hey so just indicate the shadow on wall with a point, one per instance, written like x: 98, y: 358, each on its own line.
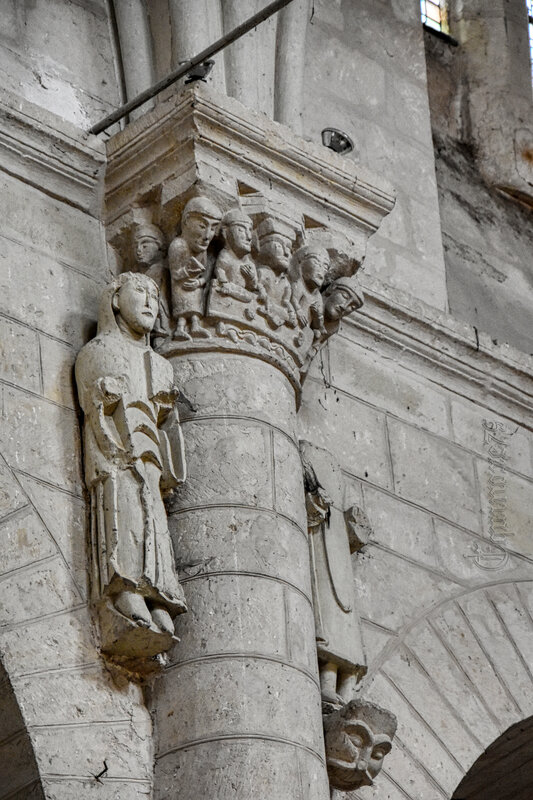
x: 503, y: 772
x: 19, y: 775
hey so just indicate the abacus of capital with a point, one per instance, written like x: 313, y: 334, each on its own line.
x: 252, y: 239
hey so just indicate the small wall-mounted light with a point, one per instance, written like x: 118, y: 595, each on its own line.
x: 337, y: 140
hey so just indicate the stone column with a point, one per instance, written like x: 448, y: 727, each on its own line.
x: 239, y: 712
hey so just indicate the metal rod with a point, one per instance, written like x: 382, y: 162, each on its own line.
x: 186, y: 67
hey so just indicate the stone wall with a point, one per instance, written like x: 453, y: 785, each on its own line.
x: 54, y: 265
x: 399, y: 396
x: 487, y: 236
x: 447, y: 631
x: 58, y: 54
x: 366, y: 74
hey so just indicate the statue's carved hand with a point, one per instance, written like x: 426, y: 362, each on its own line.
x: 302, y: 318
x: 193, y: 283
x: 112, y: 388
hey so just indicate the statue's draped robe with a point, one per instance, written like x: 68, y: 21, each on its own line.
x: 338, y: 633
x: 126, y: 393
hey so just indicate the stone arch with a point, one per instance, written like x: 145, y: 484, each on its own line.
x: 19, y: 775
x: 70, y: 715
x: 503, y: 771
x: 457, y: 680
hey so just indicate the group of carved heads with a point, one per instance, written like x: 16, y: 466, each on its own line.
x: 289, y: 280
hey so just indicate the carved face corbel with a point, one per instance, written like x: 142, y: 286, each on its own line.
x: 358, y: 736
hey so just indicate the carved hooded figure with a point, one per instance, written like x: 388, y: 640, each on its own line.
x: 335, y: 532
x: 127, y: 395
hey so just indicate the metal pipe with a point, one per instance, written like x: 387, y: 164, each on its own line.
x: 174, y: 76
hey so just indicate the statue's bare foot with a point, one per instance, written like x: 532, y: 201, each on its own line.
x: 181, y: 333
x: 162, y: 619
x: 197, y: 331
x: 133, y: 606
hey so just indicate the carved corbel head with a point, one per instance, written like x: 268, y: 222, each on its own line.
x: 236, y: 227
x: 358, y: 736
x: 341, y: 298
x: 148, y: 244
x: 199, y: 222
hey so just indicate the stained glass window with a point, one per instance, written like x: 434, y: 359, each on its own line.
x: 434, y: 14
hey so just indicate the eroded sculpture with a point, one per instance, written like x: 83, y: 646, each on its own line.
x: 133, y: 456
x: 247, y: 282
x: 189, y: 269
x: 335, y: 532
x: 358, y: 736
x: 149, y: 252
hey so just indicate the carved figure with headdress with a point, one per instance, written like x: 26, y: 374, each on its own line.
x: 187, y: 261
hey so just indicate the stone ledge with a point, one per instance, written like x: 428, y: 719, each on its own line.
x: 424, y: 335
x: 44, y: 150
x: 198, y: 134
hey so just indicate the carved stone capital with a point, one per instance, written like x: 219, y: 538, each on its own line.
x: 265, y: 231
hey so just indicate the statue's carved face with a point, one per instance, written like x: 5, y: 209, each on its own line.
x: 146, y: 250
x: 138, y: 304
x: 198, y: 231
x: 354, y: 754
x: 314, y: 268
x: 276, y: 252
x: 339, y: 303
x: 239, y: 237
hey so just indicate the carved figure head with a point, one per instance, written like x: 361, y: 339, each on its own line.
x: 134, y: 302
x: 275, y: 244
x: 237, y: 231
x: 312, y: 263
x: 358, y: 736
x: 148, y: 244
x: 341, y: 297
x: 199, y: 223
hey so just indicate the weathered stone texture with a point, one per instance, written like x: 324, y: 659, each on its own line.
x: 385, y: 103
x: 399, y: 398
x: 42, y: 60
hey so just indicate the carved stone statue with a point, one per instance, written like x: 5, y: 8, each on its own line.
x: 187, y: 261
x: 310, y: 266
x: 275, y: 245
x: 127, y: 394
x: 149, y: 247
x: 335, y: 532
x: 358, y: 736
x: 235, y: 272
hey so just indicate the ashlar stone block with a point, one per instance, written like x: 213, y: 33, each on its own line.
x: 240, y: 540
x: 24, y: 540
x: 434, y: 474
x: 228, y: 462
x: 249, y: 617
x: 239, y: 696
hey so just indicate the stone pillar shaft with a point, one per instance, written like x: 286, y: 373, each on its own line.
x: 238, y: 712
